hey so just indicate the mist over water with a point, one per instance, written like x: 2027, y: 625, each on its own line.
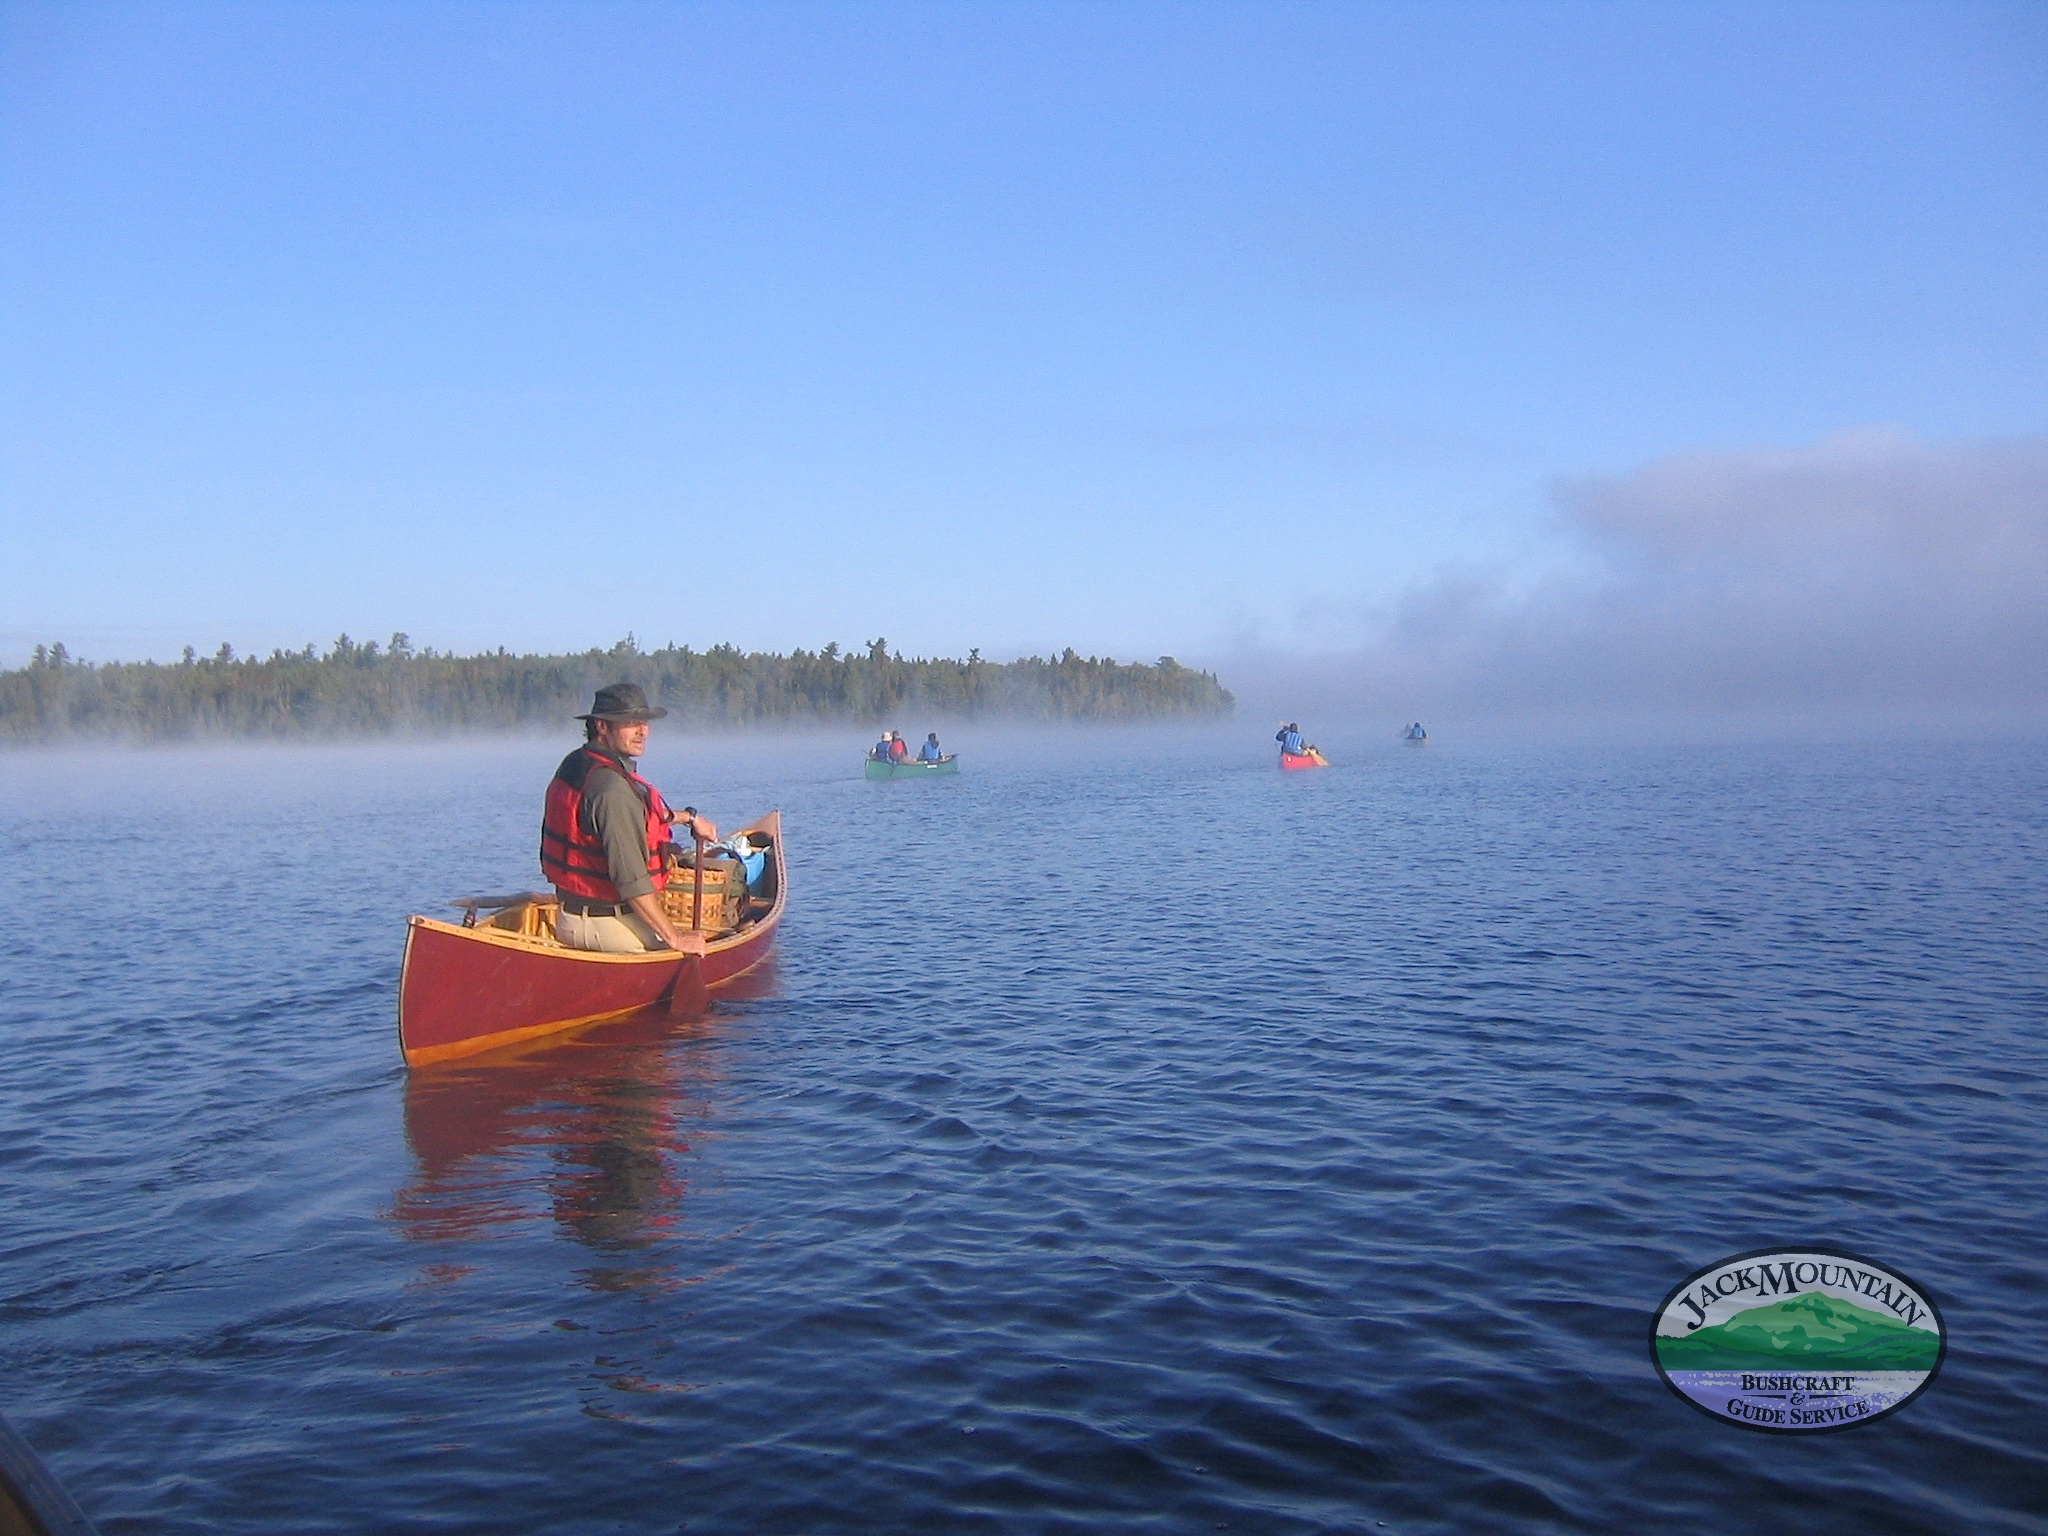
x: 1867, y: 583
x: 1129, y: 1137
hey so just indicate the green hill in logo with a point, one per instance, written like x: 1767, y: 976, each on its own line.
x: 1812, y: 1331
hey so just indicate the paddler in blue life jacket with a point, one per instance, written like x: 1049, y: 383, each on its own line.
x: 607, y: 836
x: 929, y: 752
x: 879, y: 752
x: 1289, y: 737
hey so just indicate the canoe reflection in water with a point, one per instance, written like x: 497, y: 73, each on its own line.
x: 611, y: 1111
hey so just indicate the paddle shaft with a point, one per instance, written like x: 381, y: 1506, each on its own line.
x: 689, y: 996
x: 697, y: 885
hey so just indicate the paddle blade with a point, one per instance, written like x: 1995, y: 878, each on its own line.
x: 691, y: 997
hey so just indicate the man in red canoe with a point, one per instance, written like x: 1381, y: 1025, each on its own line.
x: 605, y: 834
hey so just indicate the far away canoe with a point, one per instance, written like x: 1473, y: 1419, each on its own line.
x: 464, y: 989
x: 1309, y: 759
x: 912, y: 769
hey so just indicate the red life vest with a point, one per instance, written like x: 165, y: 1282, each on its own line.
x: 572, y: 855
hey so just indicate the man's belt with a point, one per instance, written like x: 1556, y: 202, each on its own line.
x: 583, y: 906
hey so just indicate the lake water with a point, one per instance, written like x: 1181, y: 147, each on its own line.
x: 1130, y: 1138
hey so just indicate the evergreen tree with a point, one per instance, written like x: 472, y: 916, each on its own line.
x: 368, y: 689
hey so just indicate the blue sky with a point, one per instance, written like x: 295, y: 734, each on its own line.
x: 1213, y: 330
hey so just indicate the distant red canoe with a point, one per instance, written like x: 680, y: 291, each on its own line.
x: 464, y: 989
x: 1309, y: 759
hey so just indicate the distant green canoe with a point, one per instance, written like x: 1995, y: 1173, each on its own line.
x: 912, y: 769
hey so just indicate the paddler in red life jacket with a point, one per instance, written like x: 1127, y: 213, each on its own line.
x: 606, y: 834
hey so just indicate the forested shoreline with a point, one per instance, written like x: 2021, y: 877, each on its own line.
x: 370, y: 689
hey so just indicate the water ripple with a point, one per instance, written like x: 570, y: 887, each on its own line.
x: 1260, y: 1153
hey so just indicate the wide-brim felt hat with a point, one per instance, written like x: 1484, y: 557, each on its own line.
x: 622, y: 702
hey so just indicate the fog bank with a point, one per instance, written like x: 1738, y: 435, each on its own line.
x: 1867, y: 577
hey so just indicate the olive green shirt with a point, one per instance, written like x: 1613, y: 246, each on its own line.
x: 619, y: 817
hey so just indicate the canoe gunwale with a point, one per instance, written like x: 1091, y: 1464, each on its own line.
x: 878, y: 772
x: 31, y: 1498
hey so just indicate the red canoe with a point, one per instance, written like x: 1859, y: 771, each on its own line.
x: 464, y: 989
x: 1309, y: 759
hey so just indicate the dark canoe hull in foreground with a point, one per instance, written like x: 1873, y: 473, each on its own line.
x: 465, y: 990
x: 1308, y: 759
x: 31, y: 1500
x: 912, y: 770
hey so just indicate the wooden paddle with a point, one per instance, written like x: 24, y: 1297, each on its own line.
x: 691, y: 996
x: 473, y: 907
x: 499, y: 903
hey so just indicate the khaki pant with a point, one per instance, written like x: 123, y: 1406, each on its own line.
x: 626, y: 934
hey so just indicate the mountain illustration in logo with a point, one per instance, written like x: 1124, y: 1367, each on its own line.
x: 1810, y: 1331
